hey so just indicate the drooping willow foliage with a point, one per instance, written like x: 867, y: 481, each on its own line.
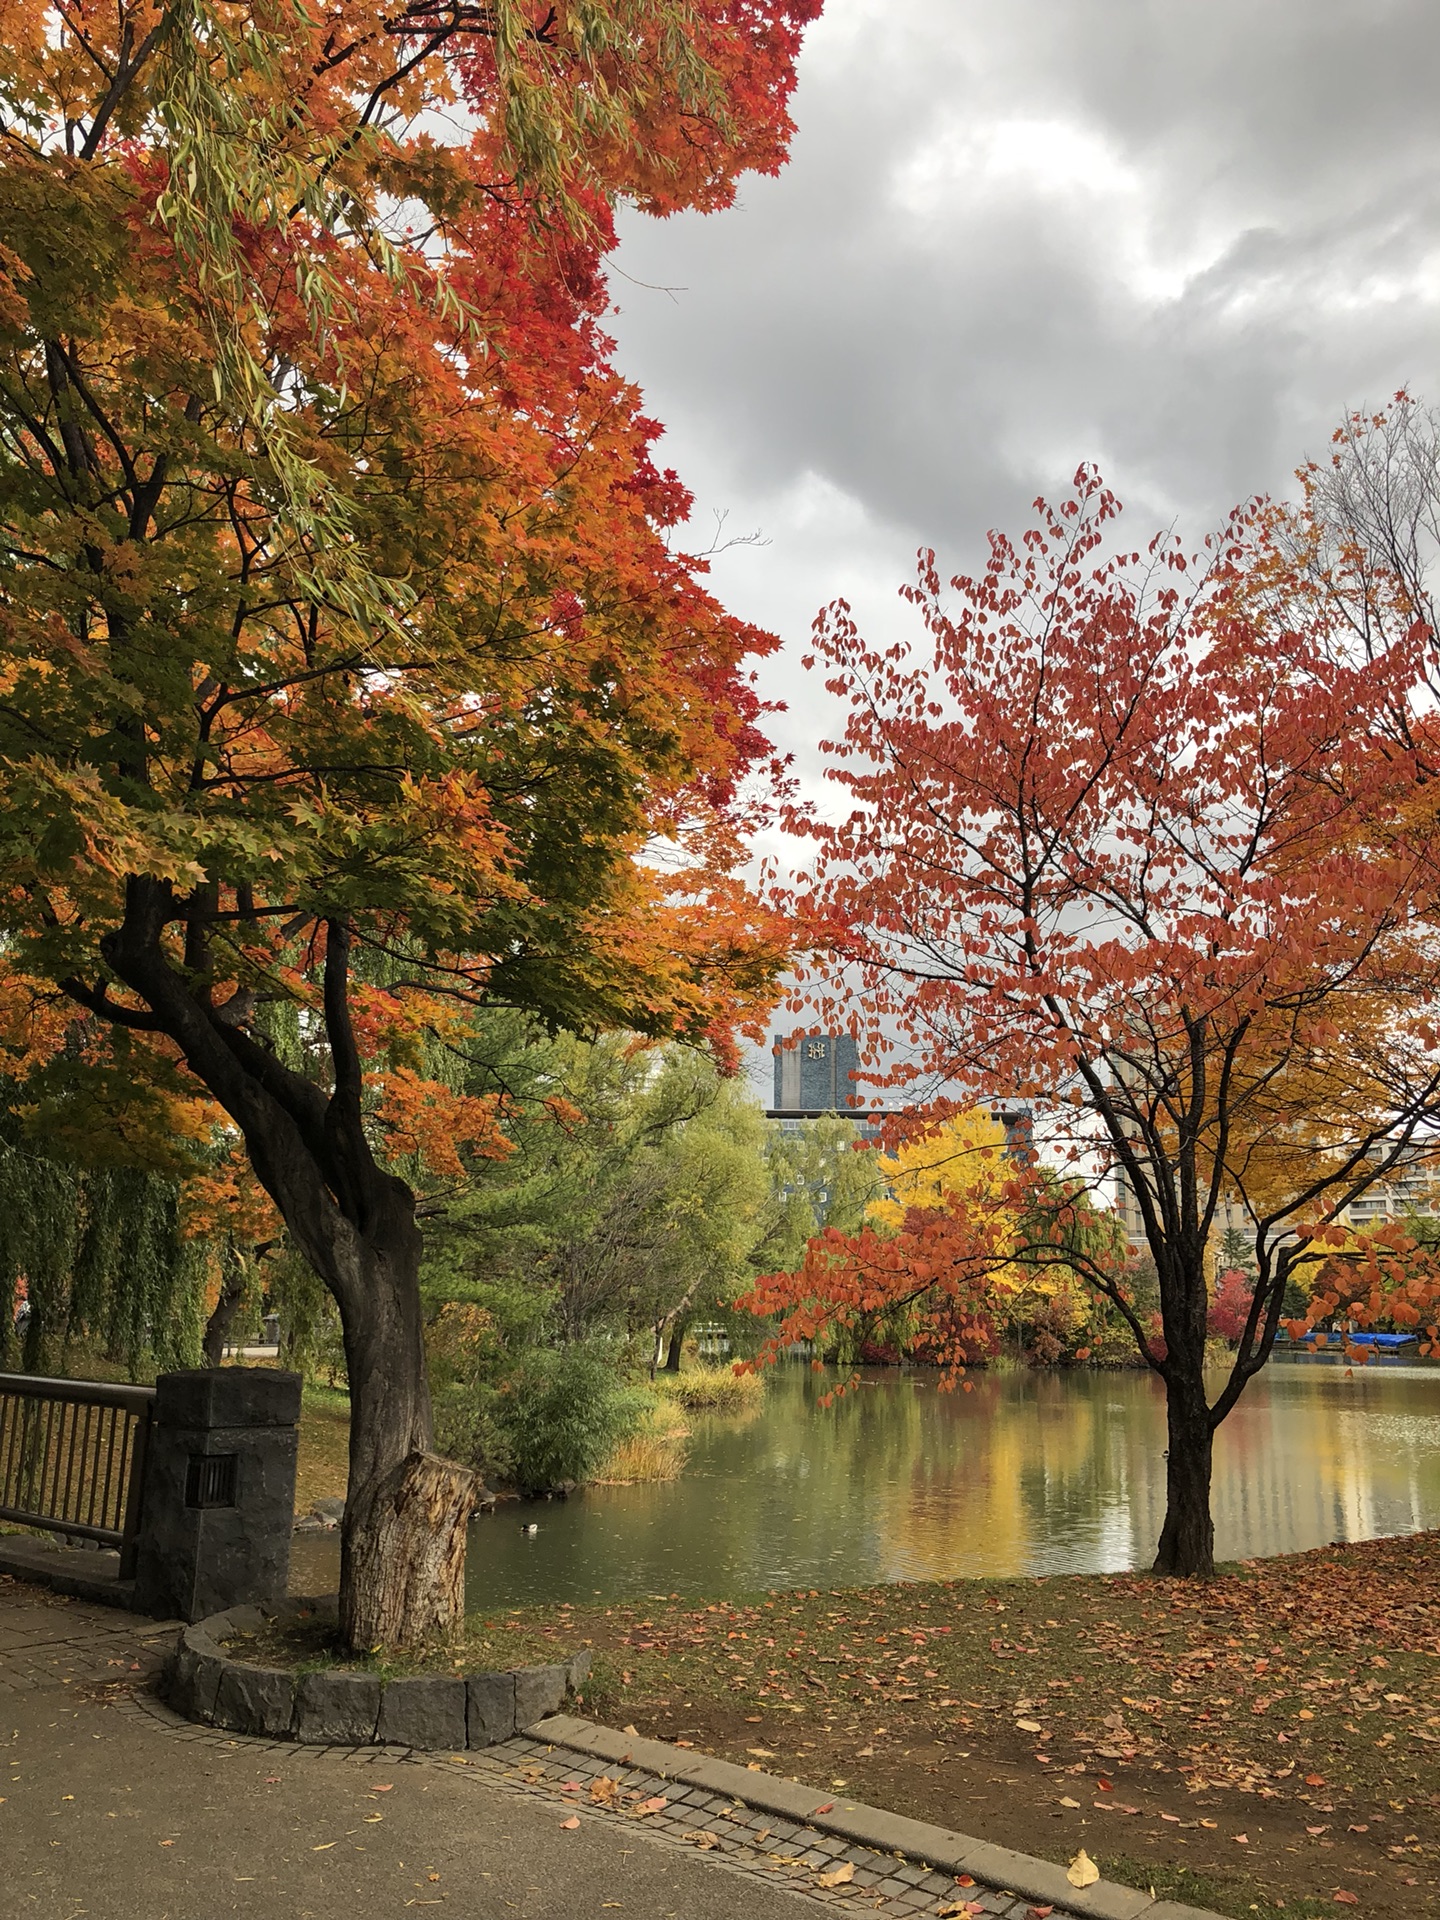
x: 103, y: 1261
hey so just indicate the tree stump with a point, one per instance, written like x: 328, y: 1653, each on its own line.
x: 404, y: 1551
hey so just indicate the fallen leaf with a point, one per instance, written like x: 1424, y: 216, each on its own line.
x: 1082, y: 1870
x: 1027, y: 1726
x: 761, y: 1753
x: 389, y: 1786
x: 652, y: 1805
x: 569, y: 1826
x: 324, y: 1846
x: 753, y: 1766
x: 1210, y: 1823
x: 1242, y: 1839
x: 1346, y: 1898
x: 829, y: 1807
x: 1068, y: 1802
x: 1038, y: 1913
x: 704, y: 1840
x: 963, y: 1880
x: 839, y: 1876
x: 1317, y: 1829
x: 1173, y: 1818
x: 1364, y: 1829
x: 630, y: 1730
x: 1314, y: 1779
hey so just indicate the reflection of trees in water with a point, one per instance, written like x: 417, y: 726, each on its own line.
x: 1050, y: 1471
x: 1321, y: 1457
x: 1026, y: 1473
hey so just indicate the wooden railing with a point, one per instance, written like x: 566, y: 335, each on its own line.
x: 72, y: 1458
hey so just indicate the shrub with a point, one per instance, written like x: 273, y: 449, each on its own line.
x: 468, y: 1429
x: 563, y: 1413
x: 712, y: 1390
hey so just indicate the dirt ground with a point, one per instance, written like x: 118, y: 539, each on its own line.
x: 1268, y: 1740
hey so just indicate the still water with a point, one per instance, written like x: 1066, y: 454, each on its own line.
x: 1028, y: 1473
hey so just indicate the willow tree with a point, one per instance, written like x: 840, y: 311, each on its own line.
x: 347, y: 668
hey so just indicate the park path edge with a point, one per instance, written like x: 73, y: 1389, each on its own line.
x: 1032, y: 1879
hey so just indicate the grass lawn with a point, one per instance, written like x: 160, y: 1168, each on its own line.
x: 1266, y: 1740
x: 323, y: 1464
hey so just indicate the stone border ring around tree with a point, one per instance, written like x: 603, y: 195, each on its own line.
x: 330, y: 1706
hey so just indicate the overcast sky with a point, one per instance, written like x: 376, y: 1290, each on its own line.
x: 1175, y: 238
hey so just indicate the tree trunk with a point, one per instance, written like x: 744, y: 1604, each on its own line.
x: 232, y: 1292
x: 677, y: 1344
x: 402, y: 1553
x: 1187, y: 1540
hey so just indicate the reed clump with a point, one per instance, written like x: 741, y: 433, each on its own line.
x: 712, y: 1390
x: 655, y: 1452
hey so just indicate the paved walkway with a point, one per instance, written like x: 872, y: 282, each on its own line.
x: 113, y: 1809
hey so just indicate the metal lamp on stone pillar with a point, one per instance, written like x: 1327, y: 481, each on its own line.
x: 219, y: 1491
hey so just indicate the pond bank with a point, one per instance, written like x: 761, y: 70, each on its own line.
x: 1270, y: 1737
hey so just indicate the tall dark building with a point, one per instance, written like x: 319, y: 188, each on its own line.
x: 815, y: 1073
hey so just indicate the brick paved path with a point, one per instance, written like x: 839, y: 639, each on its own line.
x: 118, y: 1810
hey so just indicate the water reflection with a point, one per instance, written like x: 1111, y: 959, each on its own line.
x: 1028, y: 1473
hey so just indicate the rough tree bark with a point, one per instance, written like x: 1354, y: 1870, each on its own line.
x: 1187, y: 1539
x: 222, y: 1314
x: 403, y: 1544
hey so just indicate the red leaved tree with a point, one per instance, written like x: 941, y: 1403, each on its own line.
x: 1123, y: 847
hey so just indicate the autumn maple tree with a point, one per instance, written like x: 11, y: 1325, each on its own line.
x: 1124, y: 846
x: 348, y: 672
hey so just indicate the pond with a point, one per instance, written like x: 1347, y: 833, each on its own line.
x: 1028, y: 1473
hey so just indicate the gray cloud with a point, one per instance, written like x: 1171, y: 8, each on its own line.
x: 1174, y: 238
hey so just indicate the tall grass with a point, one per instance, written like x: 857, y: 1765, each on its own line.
x: 712, y: 1390
x: 656, y: 1452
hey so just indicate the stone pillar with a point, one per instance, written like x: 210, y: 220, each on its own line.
x: 219, y: 1495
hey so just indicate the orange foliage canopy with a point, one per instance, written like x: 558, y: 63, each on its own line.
x: 1125, y: 846
x: 338, y: 587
